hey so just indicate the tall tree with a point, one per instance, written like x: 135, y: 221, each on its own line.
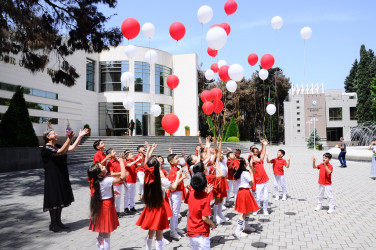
x: 16, y: 129
x: 363, y: 82
x: 37, y: 29
x: 373, y: 98
x: 350, y: 81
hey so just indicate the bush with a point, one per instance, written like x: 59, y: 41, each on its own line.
x: 16, y: 129
x: 186, y: 127
x: 232, y: 129
x: 86, y: 126
x: 210, y: 123
x: 233, y: 139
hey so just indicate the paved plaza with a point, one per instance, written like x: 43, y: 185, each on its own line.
x: 292, y: 224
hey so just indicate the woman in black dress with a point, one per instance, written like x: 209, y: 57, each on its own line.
x: 57, y: 188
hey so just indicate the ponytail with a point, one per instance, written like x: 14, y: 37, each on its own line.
x: 238, y: 172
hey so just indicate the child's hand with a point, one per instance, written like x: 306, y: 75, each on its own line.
x: 70, y: 134
x: 251, y: 154
x: 209, y: 188
x: 266, y: 153
x: 116, y: 192
x: 146, y: 144
x: 83, y: 132
x: 170, y: 150
x: 154, y: 145
x: 185, y: 175
x: 289, y: 158
x: 198, y: 133
x: 212, y: 226
x: 121, y: 157
x: 314, y: 159
x: 108, y: 156
x: 183, y: 153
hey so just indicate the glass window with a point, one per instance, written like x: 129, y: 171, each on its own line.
x: 110, y: 75
x: 298, y: 107
x: 352, y: 113
x: 335, y: 114
x: 298, y: 119
x: 43, y: 120
x: 166, y: 109
x: 113, y: 119
x: 161, y: 74
x: 298, y: 125
x: 298, y: 113
x: 142, y: 77
x: 29, y: 91
x: 90, y: 73
x: 142, y: 112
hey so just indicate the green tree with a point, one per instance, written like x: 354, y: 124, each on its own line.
x: 211, y: 126
x: 363, y: 83
x: 373, y: 97
x: 36, y: 28
x: 232, y: 129
x: 314, y: 137
x: 350, y: 81
x: 16, y: 129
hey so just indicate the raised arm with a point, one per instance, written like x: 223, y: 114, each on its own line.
x: 314, y: 162
x: 123, y: 172
x: 199, y: 139
x: 264, y: 142
x: 65, y: 147
x: 267, y: 157
x: 81, y: 134
x: 288, y: 162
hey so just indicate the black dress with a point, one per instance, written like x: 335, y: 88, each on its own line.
x: 57, y: 187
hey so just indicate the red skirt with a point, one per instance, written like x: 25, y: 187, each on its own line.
x: 166, y: 203
x: 153, y: 218
x: 245, y: 202
x: 107, y: 220
x: 220, y: 188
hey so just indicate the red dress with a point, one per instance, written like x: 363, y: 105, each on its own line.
x: 245, y: 202
x: 107, y: 220
x: 153, y: 218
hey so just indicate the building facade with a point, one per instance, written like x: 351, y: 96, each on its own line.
x: 331, y: 112
x: 97, y: 97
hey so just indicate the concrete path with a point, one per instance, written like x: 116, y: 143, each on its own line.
x: 292, y: 224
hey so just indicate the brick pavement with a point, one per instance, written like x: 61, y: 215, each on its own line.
x: 292, y: 224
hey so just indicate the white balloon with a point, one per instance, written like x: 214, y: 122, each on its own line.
x: 151, y: 56
x: 127, y: 78
x: 130, y: 51
x: 263, y: 74
x: 216, y: 38
x: 221, y: 63
x: 231, y: 86
x: 209, y: 74
x: 128, y: 103
x: 270, y: 109
x: 156, y: 110
x: 148, y: 29
x: 204, y: 14
x: 277, y: 22
x: 236, y: 72
x: 306, y: 33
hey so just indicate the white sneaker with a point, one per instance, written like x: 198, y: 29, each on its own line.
x: 249, y: 229
x: 175, y: 235
x: 266, y: 212
x: 330, y: 211
x: 165, y: 241
x: 284, y: 198
x: 254, y: 213
x: 179, y: 231
x: 240, y: 234
x: 224, y: 208
x: 276, y: 197
x: 318, y: 208
x: 220, y: 220
x: 179, y: 216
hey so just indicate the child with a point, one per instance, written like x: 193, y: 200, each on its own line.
x: 176, y: 196
x: 140, y: 170
x: 279, y: 178
x: 115, y: 170
x: 130, y: 187
x: 325, y: 181
x: 232, y: 183
x: 99, y: 157
x: 103, y: 218
x: 199, y: 224
x: 245, y: 202
x: 261, y: 178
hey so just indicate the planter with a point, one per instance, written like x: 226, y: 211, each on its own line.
x: 89, y: 132
x: 187, y: 132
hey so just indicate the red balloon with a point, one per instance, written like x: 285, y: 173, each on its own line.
x: 130, y: 28
x: 216, y: 94
x: 252, y: 59
x: 226, y: 27
x: 230, y: 7
x: 208, y: 108
x: 223, y: 73
x: 170, y: 123
x: 267, y: 61
x: 212, y: 52
x: 177, y: 31
x: 218, y: 107
x: 214, y: 67
x: 172, y: 81
x: 206, y: 96
x: 215, y: 25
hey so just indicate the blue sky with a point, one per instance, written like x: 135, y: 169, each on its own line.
x: 339, y: 27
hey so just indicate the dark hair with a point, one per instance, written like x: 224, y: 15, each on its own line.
x: 327, y: 155
x: 282, y: 151
x: 153, y: 196
x: 96, y: 144
x: 202, y: 150
x: 160, y: 156
x: 170, y: 157
x: 45, y: 134
x: 126, y: 153
x: 238, y: 172
x: 228, y: 154
x: 141, y: 146
x: 188, y: 160
x: 198, y: 168
x: 109, y: 151
x: 199, y: 182
x: 238, y: 150
x: 94, y: 175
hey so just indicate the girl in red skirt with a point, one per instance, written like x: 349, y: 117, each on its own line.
x: 154, y: 216
x: 245, y: 202
x: 103, y: 217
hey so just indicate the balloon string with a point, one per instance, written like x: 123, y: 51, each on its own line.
x: 304, y: 62
x: 202, y: 46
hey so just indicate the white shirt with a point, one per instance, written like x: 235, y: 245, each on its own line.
x: 223, y: 166
x: 106, y: 188
x: 165, y: 183
x: 245, y: 179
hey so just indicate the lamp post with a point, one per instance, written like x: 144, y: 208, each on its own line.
x: 314, y: 132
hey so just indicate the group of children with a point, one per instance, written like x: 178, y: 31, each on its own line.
x: 212, y: 180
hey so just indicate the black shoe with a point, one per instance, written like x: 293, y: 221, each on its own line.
x: 118, y: 214
x: 133, y: 210
x: 62, y: 226
x: 54, y: 229
x: 126, y: 211
x: 344, y: 166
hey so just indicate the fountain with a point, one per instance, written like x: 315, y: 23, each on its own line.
x: 361, y: 137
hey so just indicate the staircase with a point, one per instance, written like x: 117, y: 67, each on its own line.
x: 85, y: 151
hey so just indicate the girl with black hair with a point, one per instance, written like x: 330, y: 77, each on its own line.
x: 245, y: 202
x: 154, y: 216
x: 103, y: 217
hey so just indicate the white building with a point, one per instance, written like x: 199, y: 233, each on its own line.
x: 331, y: 112
x: 97, y: 97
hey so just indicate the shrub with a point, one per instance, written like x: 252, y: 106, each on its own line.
x: 233, y: 139
x: 186, y: 127
x: 232, y: 129
x: 86, y: 126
